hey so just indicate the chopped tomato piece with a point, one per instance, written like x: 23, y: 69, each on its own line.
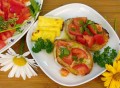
x: 79, y: 53
x: 62, y: 43
x: 64, y: 72
x: 89, y: 40
x: 68, y: 59
x: 16, y: 6
x: 2, y: 44
x: 99, y: 28
x: 81, y: 68
x: 99, y: 39
x: 79, y: 21
x: 3, y: 37
x: 25, y: 14
x: 1, y: 13
x: 92, y: 28
x: 73, y: 30
x: 85, y: 33
x: 80, y: 40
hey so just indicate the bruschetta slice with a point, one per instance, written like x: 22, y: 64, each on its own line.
x: 74, y: 57
x: 86, y: 32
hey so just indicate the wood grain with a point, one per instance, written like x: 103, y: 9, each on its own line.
x: 110, y: 9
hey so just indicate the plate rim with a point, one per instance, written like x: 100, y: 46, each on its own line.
x: 47, y: 14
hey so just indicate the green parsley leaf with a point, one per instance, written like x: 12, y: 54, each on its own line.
x: 106, y: 57
x: 64, y: 52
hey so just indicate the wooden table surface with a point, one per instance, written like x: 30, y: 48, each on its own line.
x: 110, y: 9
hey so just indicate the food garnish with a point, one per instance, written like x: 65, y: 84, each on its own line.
x: 43, y: 44
x: 106, y: 57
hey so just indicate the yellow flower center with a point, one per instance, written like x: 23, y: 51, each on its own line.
x: 20, y: 61
x: 116, y: 76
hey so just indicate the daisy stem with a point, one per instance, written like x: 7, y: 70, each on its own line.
x: 115, y: 24
x: 21, y: 49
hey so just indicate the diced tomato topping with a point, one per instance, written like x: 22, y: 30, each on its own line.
x: 92, y: 29
x: 23, y: 16
x: 74, y: 30
x: 3, y: 37
x: 1, y: 13
x: 99, y: 28
x: 81, y: 68
x: 64, y: 72
x: 99, y: 39
x: 62, y: 43
x: 79, y: 53
x: 16, y: 6
x: 89, y: 40
x: 2, y: 44
x: 68, y: 59
x: 7, y: 34
x: 79, y: 21
x: 85, y: 33
x: 80, y: 40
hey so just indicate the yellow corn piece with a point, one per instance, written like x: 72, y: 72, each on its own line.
x: 44, y: 35
x: 49, y: 21
x: 54, y: 29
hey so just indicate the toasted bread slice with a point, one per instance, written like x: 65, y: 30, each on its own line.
x: 95, y: 46
x: 76, y: 58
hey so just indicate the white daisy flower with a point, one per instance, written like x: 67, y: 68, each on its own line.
x: 21, y: 66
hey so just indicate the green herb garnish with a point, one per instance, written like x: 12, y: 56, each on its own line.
x: 48, y: 46
x: 34, y: 8
x: 106, y: 57
x: 75, y: 58
x: 42, y: 44
x: 5, y: 25
x: 81, y: 60
x: 64, y: 52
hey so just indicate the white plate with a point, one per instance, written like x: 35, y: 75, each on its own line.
x: 11, y: 41
x: 46, y: 61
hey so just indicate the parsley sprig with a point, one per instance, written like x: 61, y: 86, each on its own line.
x: 43, y: 44
x: 106, y: 57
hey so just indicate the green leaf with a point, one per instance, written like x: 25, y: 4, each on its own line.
x: 64, y: 52
x: 75, y: 58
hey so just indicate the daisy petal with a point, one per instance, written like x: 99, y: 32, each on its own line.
x: 22, y: 72
x: 28, y: 72
x: 7, y: 67
x: 11, y: 51
x: 13, y: 71
x: 6, y: 62
x: 26, y: 54
x: 17, y: 74
x: 32, y: 71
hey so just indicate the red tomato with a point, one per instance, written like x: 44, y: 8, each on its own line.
x: 81, y: 68
x: 1, y: 13
x: 5, y: 8
x: 3, y: 37
x: 25, y: 14
x: 62, y: 43
x: 74, y: 30
x: 80, y: 40
x: 64, y: 72
x: 79, y: 21
x: 16, y: 6
x: 79, y: 53
x: 85, y: 33
x: 68, y: 59
x: 2, y: 44
x: 92, y: 29
x: 7, y: 34
x: 89, y: 40
x: 99, y: 39
x: 99, y: 28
